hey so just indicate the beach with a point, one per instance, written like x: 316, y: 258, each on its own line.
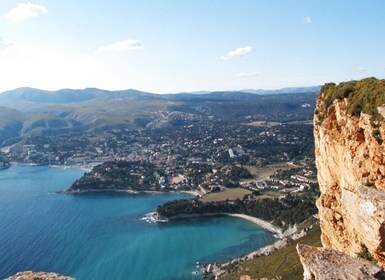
x: 263, y: 224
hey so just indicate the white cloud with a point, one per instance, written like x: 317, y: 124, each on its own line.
x: 5, y: 43
x: 238, y: 52
x: 307, y: 20
x: 125, y: 45
x: 247, y: 74
x: 362, y: 69
x: 24, y: 11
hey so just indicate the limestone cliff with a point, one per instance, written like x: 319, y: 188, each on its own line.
x: 327, y: 264
x: 350, y: 158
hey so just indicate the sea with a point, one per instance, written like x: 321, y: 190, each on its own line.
x: 104, y: 235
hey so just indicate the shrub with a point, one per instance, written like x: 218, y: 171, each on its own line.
x: 363, y: 96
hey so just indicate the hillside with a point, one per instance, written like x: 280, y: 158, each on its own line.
x: 33, y: 112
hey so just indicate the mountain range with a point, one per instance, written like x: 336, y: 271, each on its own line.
x: 29, y: 111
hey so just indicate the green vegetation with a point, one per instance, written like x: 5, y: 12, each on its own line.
x: 290, y: 210
x: 363, y: 96
x: 283, y: 263
x: 120, y: 175
x: 365, y: 254
x: 40, y: 113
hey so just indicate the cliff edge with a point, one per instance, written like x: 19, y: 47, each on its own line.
x: 322, y: 263
x: 349, y: 129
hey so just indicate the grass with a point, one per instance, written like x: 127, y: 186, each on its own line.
x: 262, y: 124
x: 230, y: 194
x: 282, y: 264
x: 265, y: 172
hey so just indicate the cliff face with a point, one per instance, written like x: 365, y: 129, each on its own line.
x: 326, y: 264
x: 350, y: 158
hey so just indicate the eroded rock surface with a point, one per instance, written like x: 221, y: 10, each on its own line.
x: 350, y: 158
x: 328, y: 264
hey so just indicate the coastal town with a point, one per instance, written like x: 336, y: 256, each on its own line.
x: 211, y: 157
x: 258, y: 170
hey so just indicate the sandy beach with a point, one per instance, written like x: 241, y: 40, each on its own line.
x: 263, y: 224
x: 194, y: 193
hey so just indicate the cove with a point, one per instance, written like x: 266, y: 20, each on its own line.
x: 102, y: 236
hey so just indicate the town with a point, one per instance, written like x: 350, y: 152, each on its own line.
x: 207, y: 157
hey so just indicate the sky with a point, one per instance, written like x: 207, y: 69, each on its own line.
x: 168, y: 46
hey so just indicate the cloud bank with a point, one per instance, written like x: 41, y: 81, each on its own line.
x: 122, y: 46
x: 24, y: 11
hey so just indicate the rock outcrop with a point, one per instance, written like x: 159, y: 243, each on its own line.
x: 326, y: 264
x: 350, y: 158
x: 29, y: 275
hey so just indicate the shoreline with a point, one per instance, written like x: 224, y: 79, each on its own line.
x: 78, y: 167
x: 97, y: 191
x: 277, y: 232
x: 194, y: 193
x: 262, y: 223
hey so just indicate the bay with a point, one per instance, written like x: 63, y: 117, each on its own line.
x: 102, y: 236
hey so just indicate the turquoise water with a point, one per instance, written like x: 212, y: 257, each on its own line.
x: 101, y: 236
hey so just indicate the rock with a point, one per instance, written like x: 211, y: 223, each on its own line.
x: 328, y: 264
x: 350, y: 158
x: 247, y: 277
x: 29, y: 275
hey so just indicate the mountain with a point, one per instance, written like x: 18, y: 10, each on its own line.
x: 27, y: 111
x: 284, y: 90
x: 22, y: 97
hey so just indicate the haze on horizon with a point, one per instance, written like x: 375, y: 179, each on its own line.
x: 179, y: 46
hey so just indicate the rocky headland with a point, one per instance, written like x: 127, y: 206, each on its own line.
x: 349, y: 129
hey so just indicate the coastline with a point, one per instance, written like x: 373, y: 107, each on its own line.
x: 79, y: 167
x: 263, y: 224
x: 277, y: 232
x: 68, y: 191
x: 194, y: 193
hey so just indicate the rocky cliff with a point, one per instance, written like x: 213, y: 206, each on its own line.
x: 349, y: 129
x: 322, y: 263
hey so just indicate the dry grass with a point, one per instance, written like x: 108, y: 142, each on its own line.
x: 230, y: 194
x: 262, y: 124
x: 178, y: 179
x: 265, y: 172
x: 282, y: 264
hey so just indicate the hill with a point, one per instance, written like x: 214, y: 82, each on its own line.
x: 31, y: 112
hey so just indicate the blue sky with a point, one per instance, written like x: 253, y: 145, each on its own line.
x: 189, y: 45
